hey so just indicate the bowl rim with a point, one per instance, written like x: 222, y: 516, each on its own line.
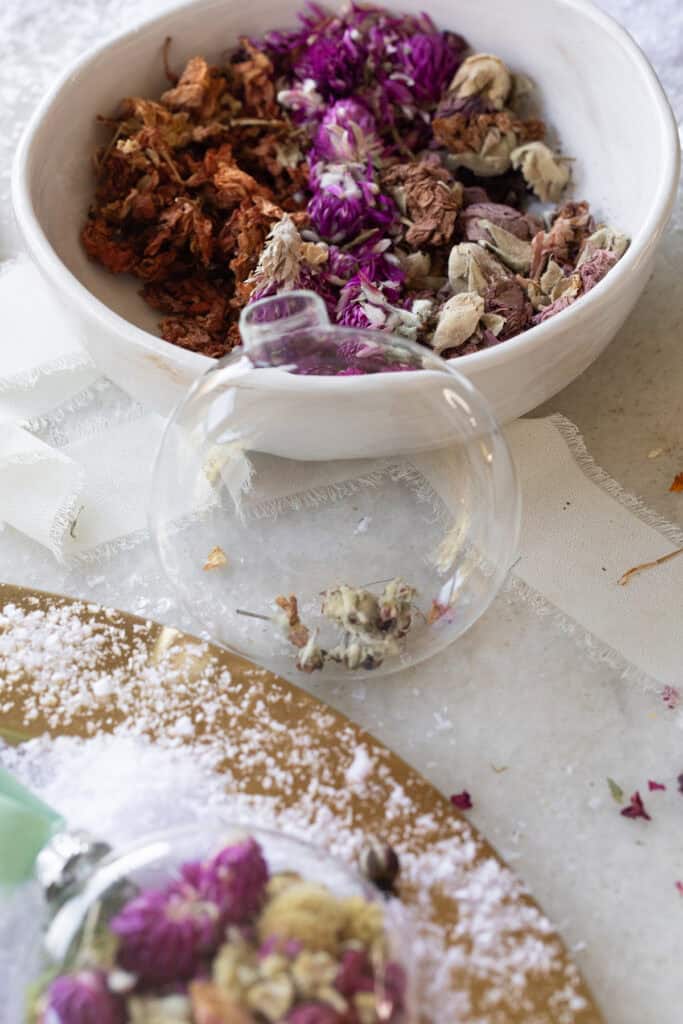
x: 576, y: 316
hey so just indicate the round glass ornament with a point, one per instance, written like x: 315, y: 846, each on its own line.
x: 79, y: 934
x: 332, y: 499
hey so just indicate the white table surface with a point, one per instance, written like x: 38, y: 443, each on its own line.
x: 517, y: 691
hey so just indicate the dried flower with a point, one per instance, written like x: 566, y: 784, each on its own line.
x: 428, y: 195
x: 484, y: 76
x: 514, y: 252
x: 83, y: 998
x: 546, y: 173
x: 307, y: 913
x: 636, y: 808
x: 652, y: 785
x: 508, y: 299
x: 458, y: 320
x: 347, y: 200
x: 164, y: 933
x: 215, y: 558
x: 473, y: 216
x: 679, y: 888
x: 347, y: 132
x: 677, y: 483
x: 211, y: 1006
x: 471, y: 268
x: 311, y: 657
x: 428, y: 60
x: 287, y: 616
x: 671, y: 697
x: 173, y: 1009
x: 462, y: 801
x: 616, y: 790
x: 380, y: 864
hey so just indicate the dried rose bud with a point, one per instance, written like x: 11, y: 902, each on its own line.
x: 380, y: 864
x: 82, y: 998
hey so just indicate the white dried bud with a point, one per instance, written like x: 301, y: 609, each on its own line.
x: 513, y: 251
x: 606, y: 238
x: 545, y: 172
x: 483, y: 75
x: 493, y: 159
x: 472, y: 269
x: 458, y: 321
x: 272, y: 998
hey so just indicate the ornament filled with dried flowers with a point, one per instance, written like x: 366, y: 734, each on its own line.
x: 209, y: 925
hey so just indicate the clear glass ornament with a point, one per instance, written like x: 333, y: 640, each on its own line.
x: 350, y: 469
x: 71, y: 937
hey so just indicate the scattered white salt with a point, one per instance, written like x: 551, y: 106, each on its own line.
x: 360, y: 768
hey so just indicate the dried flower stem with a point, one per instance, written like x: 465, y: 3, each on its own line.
x: 171, y: 75
x: 623, y: 580
x: 252, y: 615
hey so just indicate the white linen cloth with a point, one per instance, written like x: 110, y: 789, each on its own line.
x: 86, y: 491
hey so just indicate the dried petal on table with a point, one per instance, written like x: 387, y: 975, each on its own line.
x: 679, y: 780
x: 671, y: 697
x: 677, y: 483
x: 653, y: 786
x: 215, y: 558
x: 636, y: 808
x: 679, y: 887
x: 616, y: 790
x: 463, y: 801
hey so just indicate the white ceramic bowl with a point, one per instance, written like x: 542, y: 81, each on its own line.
x: 597, y: 90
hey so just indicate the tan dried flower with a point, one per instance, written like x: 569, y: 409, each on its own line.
x: 308, y: 913
x: 272, y: 997
x: 485, y: 76
x: 513, y: 251
x: 287, y: 617
x: 395, y: 607
x: 311, y: 657
x: 546, y: 173
x: 471, y: 268
x: 313, y: 972
x: 175, y: 1009
x: 605, y: 239
x: 211, y: 1006
x: 458, y: 321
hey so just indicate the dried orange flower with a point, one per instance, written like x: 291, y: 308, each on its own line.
x: 215, y: 558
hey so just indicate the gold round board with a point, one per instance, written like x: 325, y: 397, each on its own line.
x: 505, y: 963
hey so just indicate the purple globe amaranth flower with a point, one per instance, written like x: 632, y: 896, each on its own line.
x: 355, y: 973
x: 314, y: 1013
x: 235, y: 880
x: 341, y: 266
x: 334, y: 61
x: 83, y: 998
x: 348, y: 131
x: 346, y: 201
x: 164, y: 933
x: 429, y: 61
x: 380, y: 266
